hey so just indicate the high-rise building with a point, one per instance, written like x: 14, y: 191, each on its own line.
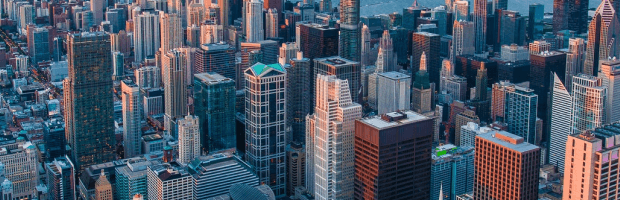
x: 131, y: 177
x: 463, y: 38
x: 103, y: 188
x: 333, y: 138
x: 254, y: 21
x: 132, y: 118
x: 535, y: 25
x: 97, y: 7
x: 288, y: 51
x: 174, y: 64
x: 386, y: 59
x: 366, y: 48
x: 118, y: 65
x: 570, y: 15
x: 517, y: 107
x: 469, y: 132
x: 120, y: 42
x: 394, y: 92
x: 38, y: 44
x: 510, y: 28
x: 542, y: 66
x: 461, y: 11
x: 440, y: 14
x: 560, y: 125
x: 299, y: 96
x: 88, y: 99
x: 146, y: 36
x: 214, y: 105
x: 461, y: 119
x: 480, y: 25
x: 539, y: 47
x: 189, y: 138
x: 607, y: 73
x: 602, y: 33
x: 296, y: 164
x: 165, y: 181
x: 271, y: 23
x: 171, y: 32
x: 266, y: 50
x: 421, y: 94
x: 410, y: 16
x: 506, y: 167
x: 480, y: 99
x: 148, y: 77
x: 575, y: 57
x: 277, y: 6
x: 514, y: 53
x: 60, y: 179
x: 216, y: 57
x: 265, y: 135
x: 196, y: 13
x: 350, y: 35
x: 590, y: 164
x: 216, y: 173
x: 452, y: 171
x: 588, y: 105
x: 317, y: 40
x: 343, y: 69
x: 211, y: 33
x: 427, y: 43
x: 500, y: 5
x: 403, y: 137
x: 193, y: 36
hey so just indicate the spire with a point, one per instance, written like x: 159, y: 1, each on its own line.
x: 606, y: 10
x: 423, y: 62
x: 441, y: 191
x: 415, y: 4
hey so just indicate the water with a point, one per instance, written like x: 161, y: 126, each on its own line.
x: 375, y: 7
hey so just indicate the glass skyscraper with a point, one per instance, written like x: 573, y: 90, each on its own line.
x: 214, y: 104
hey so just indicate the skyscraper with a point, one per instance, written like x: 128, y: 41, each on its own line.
x: 350, y: 47
x: 401, y: 137
x: 218, y: 58
x: 570, y: 15
x: 480, y: 25
x: 174, y: 64
x: 103, y: 188
x: 461, y: 11
x: 535, y: 25
x: 265, y: 135
x: 254, y: 21
x: 60, y: 176
x: 299, y: 96
x: 271, y: 23
x: 421, y: 95
x: 171, y: 32
x: 602, y: 33
x: 386, y: 60
x: 427, y: 43
x: 214, y: 105
x: 365, y: 51
x: 589, y: 164
x: 97, y: 7
x: 148, y: 77
x: 609, y: 73
x: 317, y: 41
x: 452, y: 171
x: 88, y: 99
x: 500, y: 5
x: 146, y: 34
x: 480, y: 100
x: 334, y: 131
x: 196, y: 14
x: 561, y: 116
x: 506, y: 167
x: 463, y: 38
x: 588, y: 106
x: 517, y: 107
x: 118, y: 65
x: 410, y: 16
x: 343, y: 69
x: 574, y: 59
x: 510, y: 29
x: 189, y: 139
x: 38, y: 44
x: 393, y: 92
x: 288, y: 51
x: 132, y: 118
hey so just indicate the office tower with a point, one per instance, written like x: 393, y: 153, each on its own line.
x: 375, y: 177
x: 171, y: 32
x: 120, y: 42
x: 118, y: 65
x: 266, y: 50
x: 103, y: 188
x: 277, y: 6
x: 467, y: 66
x: 131, y: 177
x: 132, y: 117
x: 332, y: 138
x: 189, y: 138
x: 510, y: 28
x: 174, y: 64
x: 589, y: 164
x: 463, y: 38
x: 153, y: 101
x: 541, y: 67
x: 461, y: 11
x: 343, y: 69
x: 168, y: 182
x: 480, y: 25
x: 296, y: 164
x: 148, y: 77
x: 21, y: 65
x: 196, y: 14
x: 461, y: 119
x: 89, y: 84
x: 60, y: 179
x: 218, y: 58
x: 607, y: 73
x: 517, y: 107
x: 500, y: 157
x: 535, y: 25
x: 452, y: 171
x: 54, y: 133
x: 211, y: 33
x: 386, y: 59
x: 561, y: 116
x: 456, y: 86
x: 38, y: 44
x: 427, y: 43
x: 299, y: 96
x: 21, y: 167
x: 325, y: 6
x: 570, y: 15
x: 146, y: 34
x: 574, y: 59
x: 288, y: 51
x: 500, y: 5
x: 440, y: 14
x: 27, y: 14
x: 271, y: 23
x: 603, y: 30
x: 97, y: 7
x: 410, y: 16
x: 480, y: 100
x: 447, y: 71
x: 350, y: 47
x: 588, y: 106
x: 539, y: 46
x: 514, y: 53
x: 214, y: 105
x: 254, y: 21
x: 215, y: 174
x: 193, y: 36
x: 393, y: 92
x: 365, y: 51
x: 227, y: 10
x: 469, y: 132
x: 270, y: 103
x: 317, y: 41
x: 421, y: 95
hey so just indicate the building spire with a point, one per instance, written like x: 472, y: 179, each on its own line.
x: 441, y: 191
x: 423, y: 62
x: 415, y: 4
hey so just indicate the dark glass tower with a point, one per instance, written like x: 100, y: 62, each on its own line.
x: 299, y: 96
x: 570, y: 15
x: 214, y: 104
x: 350, y: 30
x: 88, y: 94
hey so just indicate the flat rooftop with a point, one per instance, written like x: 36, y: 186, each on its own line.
x: 403, y: 117
x: 508, y: 140
x: 211, y: 78
x: 336, y: 61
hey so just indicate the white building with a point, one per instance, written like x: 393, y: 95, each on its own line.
x: 469, y: 132
x: 148, y: 77
x: 189, y: 138
x: 394, y: 92
x: 271, y: 23
x: 132, y: 118
x: 588, y: 105
x: 514, y: 53
x: 560, y: 122
x: 146, y: 36
x: 171, y: 32
x: 609, y: 73
x: 254, y: 21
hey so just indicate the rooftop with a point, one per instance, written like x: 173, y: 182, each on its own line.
x: 211, y: 78
x: 335, y: 61
x: 395, y: 119
x: 395, y: 75
x: 259, y: 68
x: 508, y: 140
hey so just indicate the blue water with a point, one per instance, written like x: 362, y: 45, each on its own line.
x: 375, y: 7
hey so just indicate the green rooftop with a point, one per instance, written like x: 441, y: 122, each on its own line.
x: 259, y: 68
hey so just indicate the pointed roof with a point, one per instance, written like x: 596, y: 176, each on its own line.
x: 415, y: 4
x: 441, y: 191
x: 606, y: 11
x: 423, y: 61
x: 260, y: 69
